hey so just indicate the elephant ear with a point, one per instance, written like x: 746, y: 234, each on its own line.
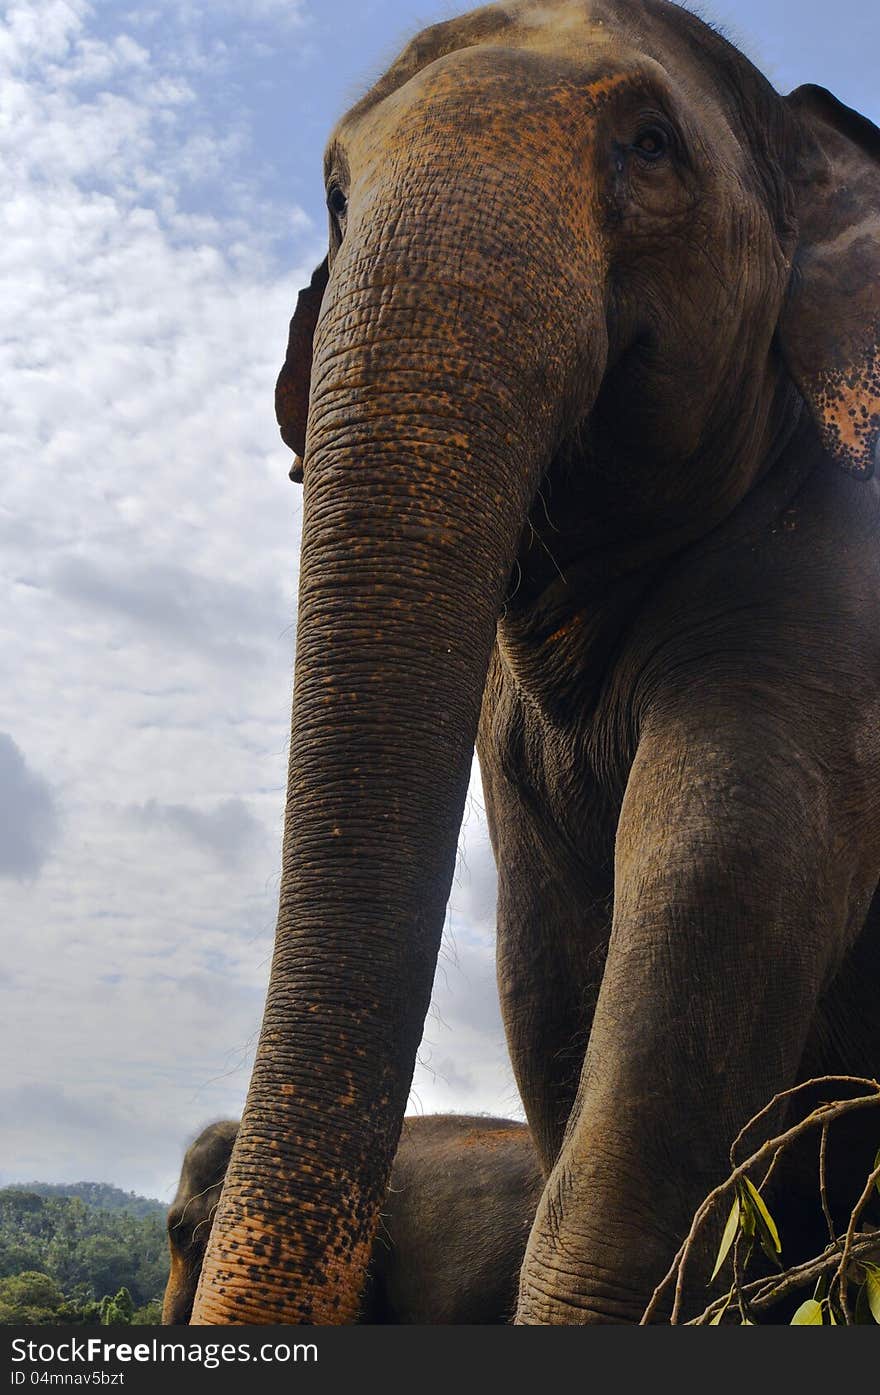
x: 830, y: 328
x: 294, y: 380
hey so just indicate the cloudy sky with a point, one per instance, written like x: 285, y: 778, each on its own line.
x: 161, y: 204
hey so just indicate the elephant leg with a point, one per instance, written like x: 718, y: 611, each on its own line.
x: 739, y: 869
x: 844, y: 1040
x: 551, y: 946
x: 845, y: 1036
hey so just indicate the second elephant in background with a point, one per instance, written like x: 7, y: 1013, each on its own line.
x: 452, y: 1233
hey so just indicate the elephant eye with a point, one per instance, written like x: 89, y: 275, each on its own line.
x: 337, y: 202
x: 651, y: 143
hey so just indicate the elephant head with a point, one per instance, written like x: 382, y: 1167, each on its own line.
x: 191, y: 1215
x: 574, y: 247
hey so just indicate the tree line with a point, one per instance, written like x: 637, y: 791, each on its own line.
x: 88, y: 1253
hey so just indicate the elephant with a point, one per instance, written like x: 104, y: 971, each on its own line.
x: 453, y: 1228
x: 191, y: 1215
x: 585, y: 400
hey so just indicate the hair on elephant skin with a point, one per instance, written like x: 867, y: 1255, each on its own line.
x: 452, y: 1232
x: 585, y: 400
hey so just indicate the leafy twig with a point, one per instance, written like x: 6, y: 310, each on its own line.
x: 763, y: 1293
x: 840, y: 1277
x: 822, y: 1116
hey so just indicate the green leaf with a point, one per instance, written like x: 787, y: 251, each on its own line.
x: 809, y: 1314
x: 767, y: 1247
x: 766, y: 1223
x: 872, y: 1290
x: 728, y: 1237
x: 821, y: 1289
x: 747, y: 1213
x: 831, y: 1318
x: 874, y: 1169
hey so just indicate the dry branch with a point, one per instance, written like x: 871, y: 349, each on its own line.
x: 841, y: 1254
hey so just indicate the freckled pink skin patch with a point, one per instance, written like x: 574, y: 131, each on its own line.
x: 847, y: 407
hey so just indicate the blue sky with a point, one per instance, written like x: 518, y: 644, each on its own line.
x: 161, y: 204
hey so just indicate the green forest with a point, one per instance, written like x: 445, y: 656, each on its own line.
x: 86, y: 1253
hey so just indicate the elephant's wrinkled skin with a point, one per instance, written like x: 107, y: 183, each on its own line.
x: 454, y: 1225
x: 593, y: 390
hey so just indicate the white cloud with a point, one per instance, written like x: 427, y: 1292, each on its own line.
x: 149, y: 553
x: 229, y: 831
x: 150, y: 538
x: 463, y: 1064
x: 36, y: 30
x: 28, y: 816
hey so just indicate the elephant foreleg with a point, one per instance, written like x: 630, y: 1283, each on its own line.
x: 550, y: 957
x: 741, y: 868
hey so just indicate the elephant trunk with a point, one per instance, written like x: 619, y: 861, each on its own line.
x: 431, y: 421
x: 179, y: 1293
x: 425, y: 450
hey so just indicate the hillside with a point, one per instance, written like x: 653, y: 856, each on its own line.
x: 65, y: 1249
x: 101, y: 1195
